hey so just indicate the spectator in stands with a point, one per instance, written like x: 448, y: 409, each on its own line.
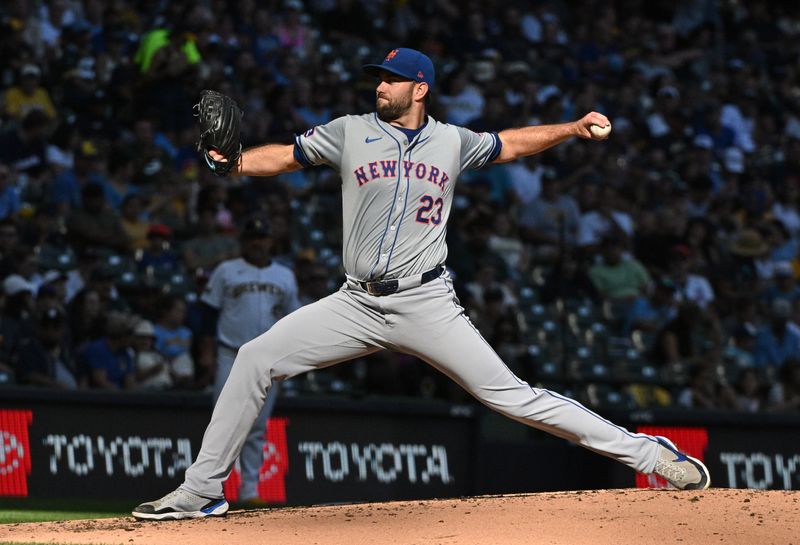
x: 159, y: 255
x: 700, y: 239
x: 46, y: 358
x: 96, y: 224
x: 152, y: 149
x: 87, y: 315
x: 739, y: 350
x: 52, y: 292
x: 786, y: 207
x: 652, y: 313
x: 690, y: 286
x: 783, y: 248
x: 9, y: 195
x: 749, y: 393
x: 783, y: 285
x: 68, y: 187
x: 120, y: 184
x: 209, y: 246
x: 152, y: 368
x: 607, y: 220
x: 505, y: 241
x: 784, y: 395
x: 706, y: 391
x: 568, y: 279
x: 174, y: 339
x: 675, y: 343
x: 616, y: 278
x: 9, y: 239
x: 462, y: 99
x: 738, y: 275
x: 28, y: 94
x: 777, y: 341
x: 656, y: 234
x: 132, y: 217
x: 474, y: 253
x: 550, y: 222
x: 293, y: 34
x: 107, y: 360
x: 24, y: 148
x: 20, y: 303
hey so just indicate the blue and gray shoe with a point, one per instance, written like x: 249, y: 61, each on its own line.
x: 679, y: 469
x: 180, y: 504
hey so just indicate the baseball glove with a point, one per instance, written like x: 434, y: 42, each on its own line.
x: 220, y: 119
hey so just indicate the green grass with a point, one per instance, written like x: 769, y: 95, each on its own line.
x: 40, y: 510
x: 25, y: 515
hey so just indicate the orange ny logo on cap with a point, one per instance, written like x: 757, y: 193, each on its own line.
x: 392, y: 54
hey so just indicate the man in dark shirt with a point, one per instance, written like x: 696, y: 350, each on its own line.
x: 46, y: 359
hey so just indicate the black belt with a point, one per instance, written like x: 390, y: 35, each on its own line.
x: 388, y: 287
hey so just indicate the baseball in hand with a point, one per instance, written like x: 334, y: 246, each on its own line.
x: 599, y: 131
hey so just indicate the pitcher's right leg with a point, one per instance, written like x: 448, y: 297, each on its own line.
x: 337, y: 328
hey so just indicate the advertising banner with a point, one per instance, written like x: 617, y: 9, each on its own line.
x: 74, y: 450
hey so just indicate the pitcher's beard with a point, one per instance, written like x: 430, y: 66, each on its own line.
x: 388, y: 111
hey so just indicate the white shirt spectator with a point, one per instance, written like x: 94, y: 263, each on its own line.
x: 731, y: 117
x: 463, y: 107
x: 788, y: 216
x: 594, y: 226
x: 696, y: 289
x: 527, y: 183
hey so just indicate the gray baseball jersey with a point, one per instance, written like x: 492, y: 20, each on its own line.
x: 396, y: 194
x: 396, y: 203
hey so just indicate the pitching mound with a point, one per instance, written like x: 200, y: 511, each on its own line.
x: 613, y: 517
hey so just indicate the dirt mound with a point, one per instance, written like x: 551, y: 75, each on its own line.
x: 613, y: 517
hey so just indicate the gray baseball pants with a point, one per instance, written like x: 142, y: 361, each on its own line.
x: 427, y: 322
x: 251, y: 457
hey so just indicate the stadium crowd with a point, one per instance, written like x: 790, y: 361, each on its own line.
x: 658, y: 268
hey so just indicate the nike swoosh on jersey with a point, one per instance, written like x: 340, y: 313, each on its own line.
x: 369, y: 140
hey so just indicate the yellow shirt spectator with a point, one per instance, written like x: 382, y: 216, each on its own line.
x: 28, y: 95
x: 18, y: 103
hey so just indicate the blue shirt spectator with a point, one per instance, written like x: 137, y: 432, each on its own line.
x: 784, y: 286
x: 776, y: 341
x: 66, y: 190
x: 9, y: 202
x: 109, y: 363
x: 173, y: 338
x: 172, y: 343
x: 652, y: 313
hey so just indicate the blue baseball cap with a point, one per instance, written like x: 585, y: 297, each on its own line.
x: 406, y: 63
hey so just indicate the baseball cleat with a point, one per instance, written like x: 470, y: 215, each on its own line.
x: 679, y: 469
x: 180, y: 504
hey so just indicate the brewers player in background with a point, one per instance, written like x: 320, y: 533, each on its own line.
x: 399, y: 168
x: 245, y: 296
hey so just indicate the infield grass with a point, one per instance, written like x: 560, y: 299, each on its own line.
x: 27, y: 510
x: 24, y: 515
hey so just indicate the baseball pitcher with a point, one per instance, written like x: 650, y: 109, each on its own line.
x: 399, y: 168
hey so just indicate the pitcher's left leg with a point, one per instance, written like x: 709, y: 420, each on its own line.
x: 431, y: 325
x: 252, y: 456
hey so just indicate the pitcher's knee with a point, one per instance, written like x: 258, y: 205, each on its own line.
x: 252, y: 361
